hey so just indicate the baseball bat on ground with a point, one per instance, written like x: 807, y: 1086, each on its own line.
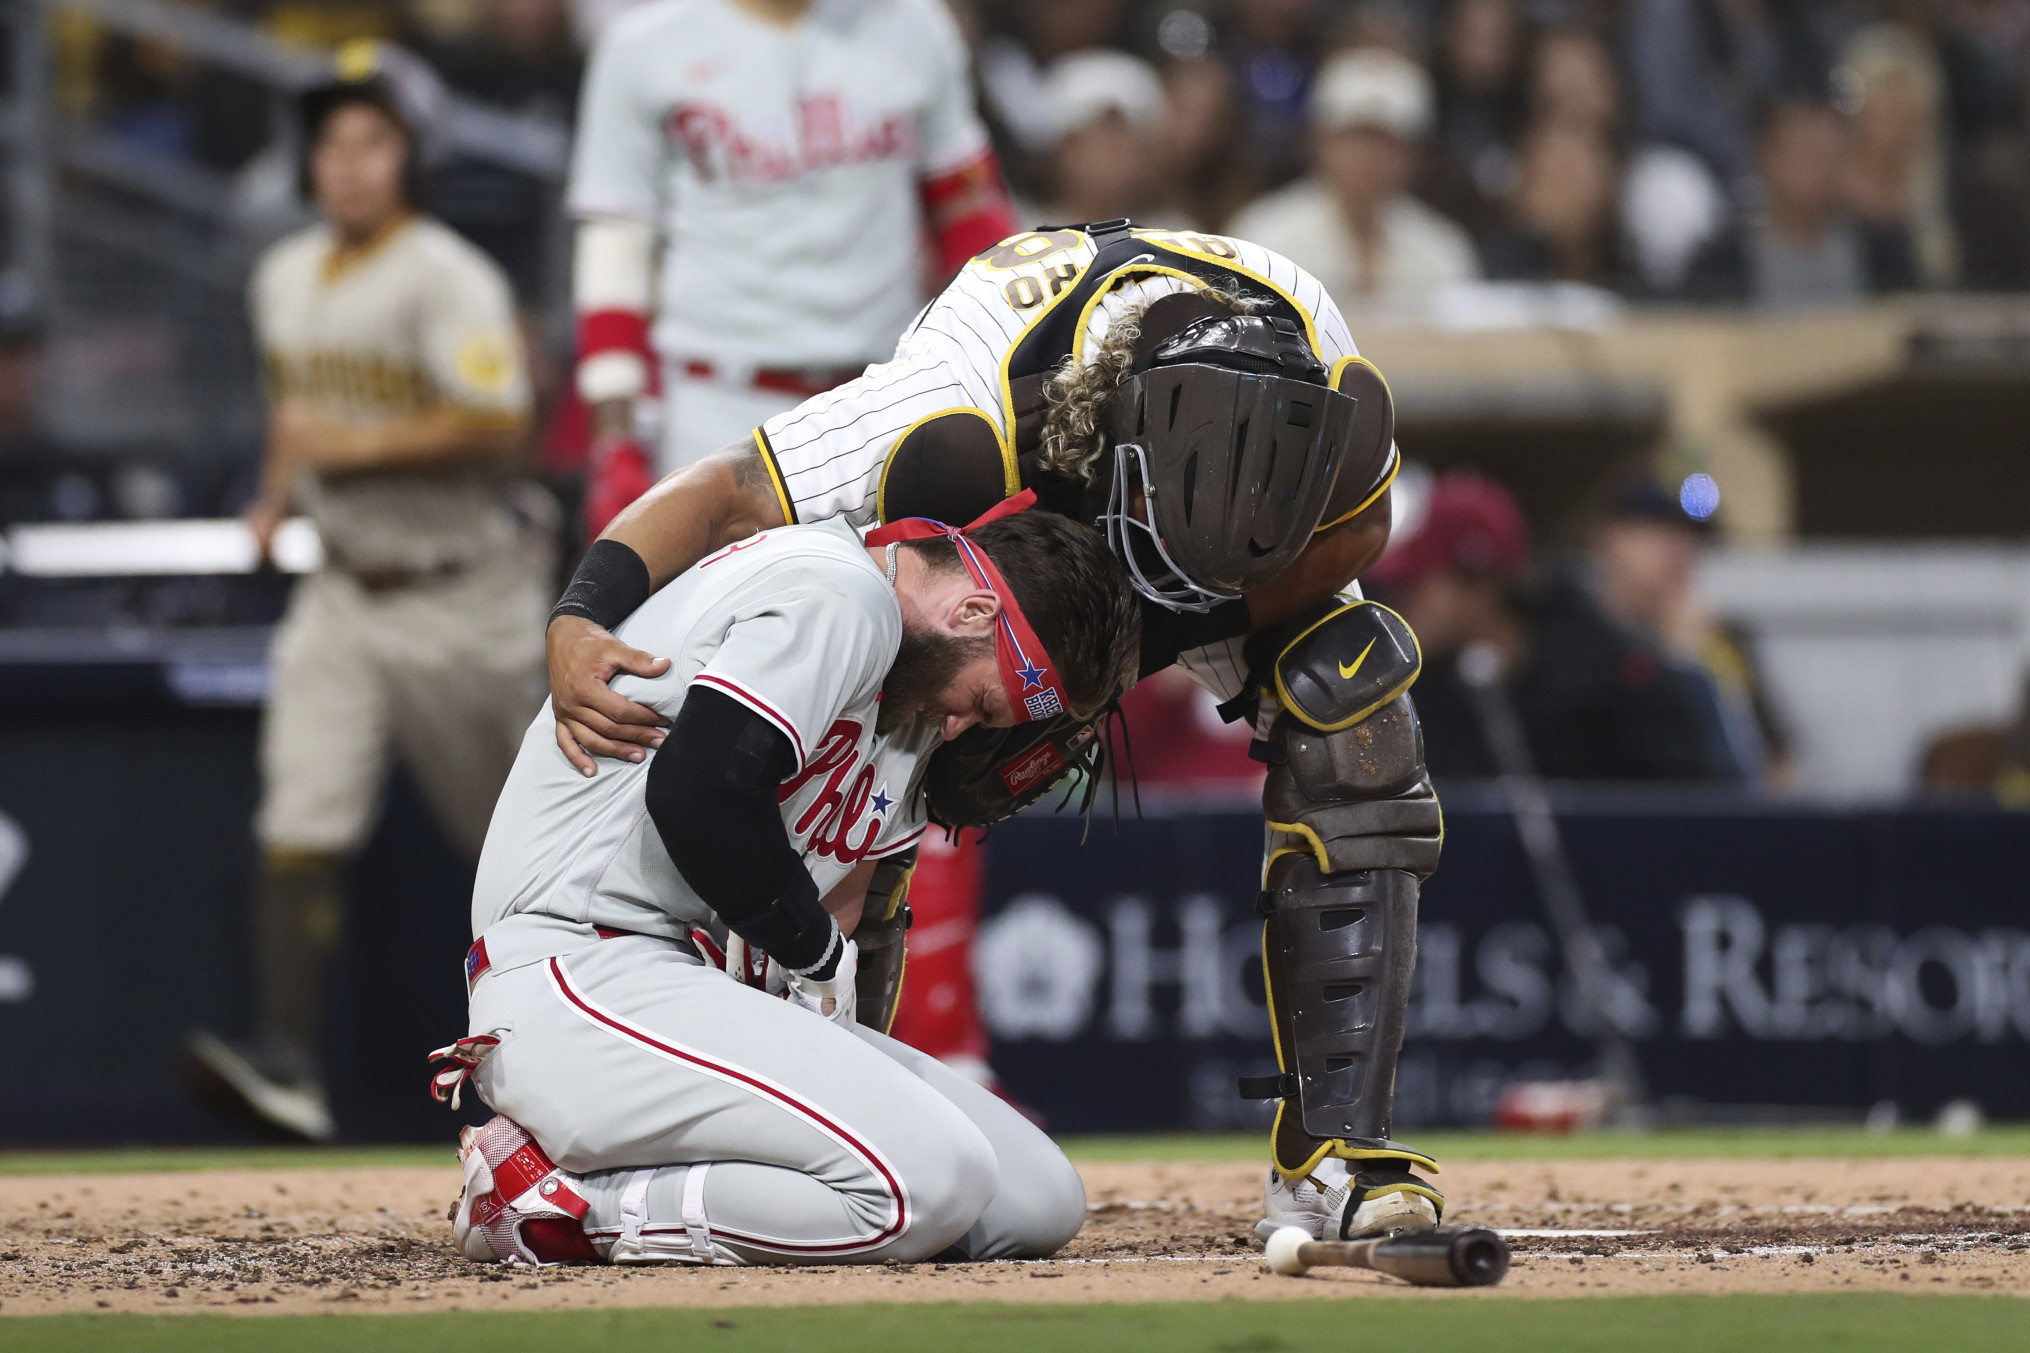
x: 1440, y: 1256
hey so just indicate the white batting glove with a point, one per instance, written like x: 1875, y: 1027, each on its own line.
x: 833, y: 999
x: 751, y: 967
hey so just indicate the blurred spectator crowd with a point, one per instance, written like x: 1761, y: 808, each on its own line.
x: 1602, y: 650
x: 1424, y: 158
x: 1611, y: 665
x: 1774, y: 152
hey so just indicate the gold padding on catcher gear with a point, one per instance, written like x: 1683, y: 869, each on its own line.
x: 901, y: 976
x: 1296, y: 710
x: 1317, y: 847
x: 1295, y: 829
x: 1340, y: 1149
x: 897, y: 896
x: 1437, y: 1198
x: 1333, y: 1147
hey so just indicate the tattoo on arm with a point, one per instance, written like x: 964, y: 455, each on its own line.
x: 754, y: 505
x: 746, y: 463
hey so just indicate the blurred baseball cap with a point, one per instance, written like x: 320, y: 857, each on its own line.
x: 1373, y: 89
x: 1471, y: 525
x: 1083, y: 87
x: 391, y: 78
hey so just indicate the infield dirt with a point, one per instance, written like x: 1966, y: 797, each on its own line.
x: 263, y: 1241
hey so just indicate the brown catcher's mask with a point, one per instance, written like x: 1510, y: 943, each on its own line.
x: 1227, y: 442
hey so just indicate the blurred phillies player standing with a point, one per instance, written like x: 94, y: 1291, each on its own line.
x: 791, y: 158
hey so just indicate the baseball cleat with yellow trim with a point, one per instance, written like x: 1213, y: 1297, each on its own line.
x: 1335, y: 1202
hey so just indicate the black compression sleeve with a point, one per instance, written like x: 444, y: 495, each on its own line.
x: 609, y: 585
x: 1168, y: 634
x: 712, y: 795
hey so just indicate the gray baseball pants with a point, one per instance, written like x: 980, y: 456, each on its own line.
x: 715, y: 1124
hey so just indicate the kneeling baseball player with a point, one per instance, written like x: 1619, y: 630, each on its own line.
x: 654, y: 1109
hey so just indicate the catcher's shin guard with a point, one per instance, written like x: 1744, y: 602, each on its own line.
x: 517, y: 1206
x: 1353, y: 829
x: 882, y: 936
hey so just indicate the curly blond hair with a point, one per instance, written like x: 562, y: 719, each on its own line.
x: 1077, y: 393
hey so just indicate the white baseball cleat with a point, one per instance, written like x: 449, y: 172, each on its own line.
x: 517, y: 1206
x: 1335, y: 1203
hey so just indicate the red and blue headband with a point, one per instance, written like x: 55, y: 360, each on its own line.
x: 1034, y: 689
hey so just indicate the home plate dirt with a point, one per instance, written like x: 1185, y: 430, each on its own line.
x: 263, y: 1241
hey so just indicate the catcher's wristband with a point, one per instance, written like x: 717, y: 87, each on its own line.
x: 610, y: 584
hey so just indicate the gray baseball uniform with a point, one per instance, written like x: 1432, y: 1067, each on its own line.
x: 780, y: 164
x: 713, y: 1123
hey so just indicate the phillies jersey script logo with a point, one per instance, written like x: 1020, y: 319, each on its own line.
x: 827, y: 135
x: 845, y: 798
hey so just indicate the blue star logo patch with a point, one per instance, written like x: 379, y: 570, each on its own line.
x: 1031, y: 674
x: 882, y: 803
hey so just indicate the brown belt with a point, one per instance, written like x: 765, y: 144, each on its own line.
x: 375, y: 581
x: 783, y: 380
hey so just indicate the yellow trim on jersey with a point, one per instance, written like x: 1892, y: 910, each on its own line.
x: 775, y: 477
x: 1395, y: 454
x: 1163, y: 238
x: 1395, y: 464
x: 342, y: 258
x: 1339, y: 369
x: 1174, y: 241
x: 1011, y: 475
x: 1015, y: 343
x: 1127, y: 272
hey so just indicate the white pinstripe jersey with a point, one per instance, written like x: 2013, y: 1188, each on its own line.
x: 1012, y: 312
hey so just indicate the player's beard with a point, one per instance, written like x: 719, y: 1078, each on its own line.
x: 927, y: 662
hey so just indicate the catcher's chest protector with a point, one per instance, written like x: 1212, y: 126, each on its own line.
x: 1353, y: 828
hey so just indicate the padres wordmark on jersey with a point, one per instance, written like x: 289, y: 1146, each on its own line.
x: 417, y: 320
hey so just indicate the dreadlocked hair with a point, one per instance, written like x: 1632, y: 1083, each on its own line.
x: 1077, y: 393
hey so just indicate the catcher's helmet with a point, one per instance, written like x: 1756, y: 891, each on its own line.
x: 386, y: 77
x: 1232, y: 438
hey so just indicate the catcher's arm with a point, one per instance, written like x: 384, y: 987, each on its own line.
x: 1333, y: 558
x: 725, y: 497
